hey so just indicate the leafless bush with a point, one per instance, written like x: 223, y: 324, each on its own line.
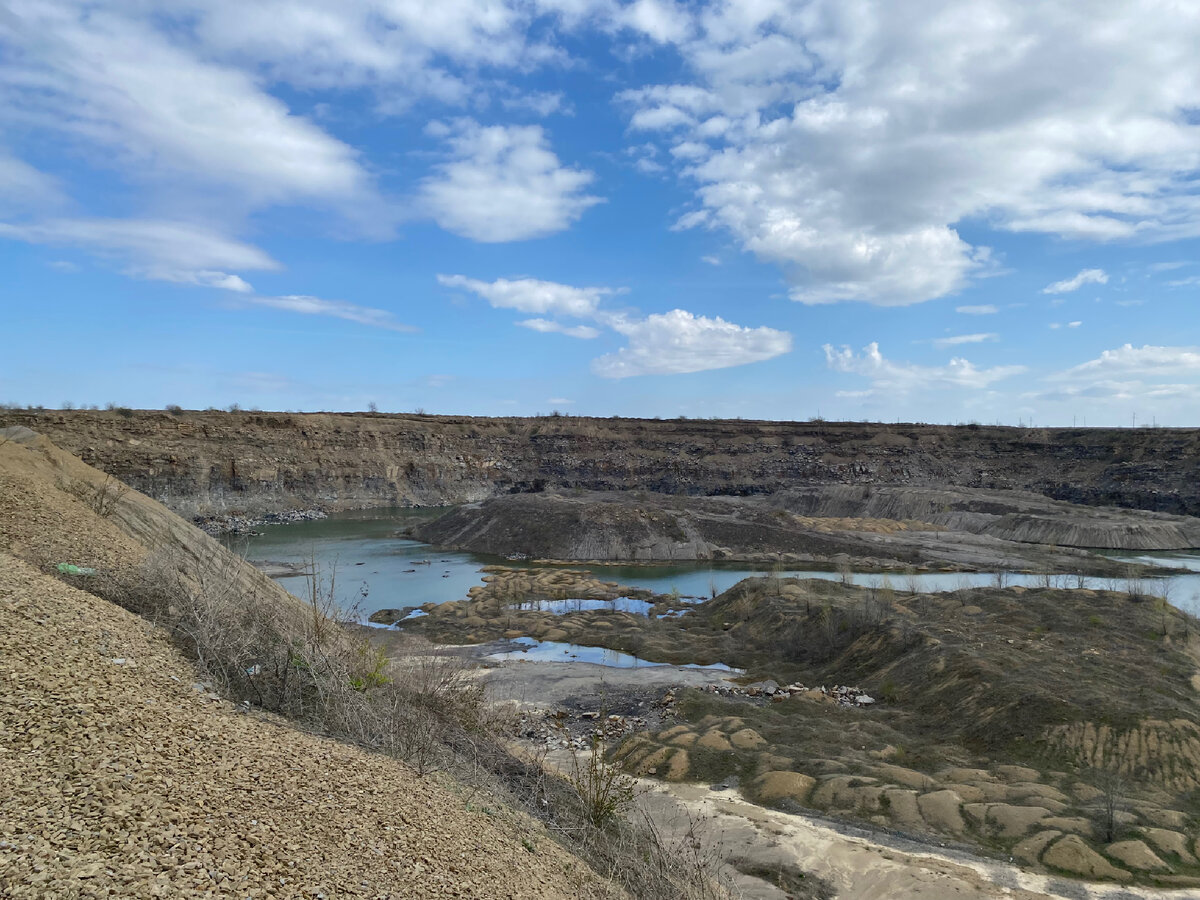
x: 604, y: 790
x: 102, y: 498
x: 299, y: 659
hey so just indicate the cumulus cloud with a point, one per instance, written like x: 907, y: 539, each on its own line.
x: 546, y: 326
x: 1144, y: 362
x: 678, y: 342
x: 1085, y: 276
x: 957, y: 339
x: 886, y: 374
x: 848, y: 145
x: 504, y: 183
x: 530, y: 295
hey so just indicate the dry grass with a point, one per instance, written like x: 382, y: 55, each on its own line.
x: 300, y: 660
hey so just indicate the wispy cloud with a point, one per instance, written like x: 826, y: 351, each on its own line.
x: 338, y: 309
x: 965, y: 339
x: 1085, y: 276
x: 546, y: 326
x: 982, y: 310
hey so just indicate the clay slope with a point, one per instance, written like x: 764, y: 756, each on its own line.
x: 201, y: 463
x: 122, y: 778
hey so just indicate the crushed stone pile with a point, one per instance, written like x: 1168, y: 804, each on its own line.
x: 121, y: 779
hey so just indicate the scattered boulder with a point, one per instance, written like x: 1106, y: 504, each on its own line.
x: 1070, y: 854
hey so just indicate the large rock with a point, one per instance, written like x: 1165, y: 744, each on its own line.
x: 1071, y: 854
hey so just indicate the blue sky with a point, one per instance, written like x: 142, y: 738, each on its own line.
x: 923, y: 211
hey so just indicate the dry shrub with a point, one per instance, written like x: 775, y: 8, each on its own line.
x: 102, y: 498
x: 301, y: 660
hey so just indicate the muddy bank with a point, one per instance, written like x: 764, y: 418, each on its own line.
x: 880, y: 528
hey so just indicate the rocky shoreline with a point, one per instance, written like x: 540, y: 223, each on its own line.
x: 216, y: 525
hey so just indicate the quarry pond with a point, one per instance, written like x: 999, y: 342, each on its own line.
x: 375, y: 569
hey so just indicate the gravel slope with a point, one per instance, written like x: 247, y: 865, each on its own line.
x: 118, y: 778
x: 121, y: 779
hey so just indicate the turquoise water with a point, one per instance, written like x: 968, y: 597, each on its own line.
x: 374, y: 569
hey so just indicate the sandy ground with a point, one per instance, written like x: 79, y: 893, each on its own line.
x: 546, y: 684
x: 859, y: 863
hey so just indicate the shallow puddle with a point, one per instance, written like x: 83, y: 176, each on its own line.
x: 556, y: 651
x: 570, y: 605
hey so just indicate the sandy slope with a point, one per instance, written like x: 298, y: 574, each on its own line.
x: 121, y: 779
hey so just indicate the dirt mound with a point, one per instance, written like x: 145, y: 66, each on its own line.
x: 878, y: 527
x: 121, y: 776
x: 124, y: 777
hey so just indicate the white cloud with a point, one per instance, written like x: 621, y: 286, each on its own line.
x: 22, y: 187
x: 853, y: 143
x: 546, y: 326
x: 711, y: 260
x: 540, y: 103
x: 965, y: 339
x: 119, y: 83
x: 1145, y: 361
x: 901, y: 377
x: 677, y: 342
x: 338, y: 309
x: 1085, y: 276
x: 660, y: 20
x: 1074, y: 324
x: 983, y: 310
x: 156, y: 249
x: 1185, y: 282
x: 504, y: 183
x: 530, y: 295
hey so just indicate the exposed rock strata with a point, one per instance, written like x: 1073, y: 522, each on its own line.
x: 215, y: 462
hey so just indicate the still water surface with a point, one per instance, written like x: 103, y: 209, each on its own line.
x: 375, y: 570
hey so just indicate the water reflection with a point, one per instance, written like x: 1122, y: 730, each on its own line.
x: 363, y: 549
